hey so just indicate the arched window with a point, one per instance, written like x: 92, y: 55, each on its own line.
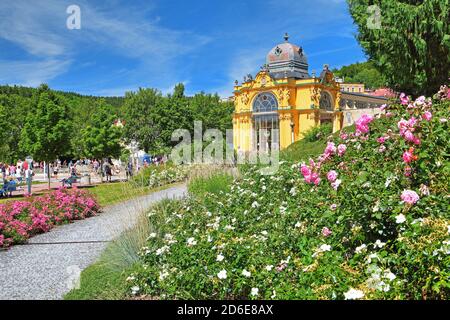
x: 265, y: 102
x: 326, y: 101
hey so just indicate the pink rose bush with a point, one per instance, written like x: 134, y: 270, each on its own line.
x: 20, y: 220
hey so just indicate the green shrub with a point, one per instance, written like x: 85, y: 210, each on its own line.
x: 156, y: 176
x: 318, y: 133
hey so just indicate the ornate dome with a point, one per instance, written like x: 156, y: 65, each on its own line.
x: 287, y: 59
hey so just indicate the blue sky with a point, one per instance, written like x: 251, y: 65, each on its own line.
x: 123, y: 45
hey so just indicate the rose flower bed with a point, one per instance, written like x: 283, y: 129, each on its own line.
x: 20, y: 220
x: 367, y: 219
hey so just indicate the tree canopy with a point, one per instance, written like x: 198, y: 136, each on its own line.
x: 363, y: 72
x: 46, y: 133
x: 30, y: 116
x: 409, y: 41
x: 151, y: 118
x: 100, y: 138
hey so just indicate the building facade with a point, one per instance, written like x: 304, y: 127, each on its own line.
x: 283, y: 101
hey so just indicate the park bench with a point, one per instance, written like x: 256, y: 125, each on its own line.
x: 8, y: 187
x: 69, y: 181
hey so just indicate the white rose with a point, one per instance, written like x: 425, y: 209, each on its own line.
x: 246, y: 273
x: 353, y: 294
x: 400, y: 218
x: 222, y: 274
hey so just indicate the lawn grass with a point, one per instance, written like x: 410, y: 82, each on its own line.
x: 108, y: 193
x: 303, y: 150
x: 113, y: 193
x: 217, y: 183
x: 100, y: 282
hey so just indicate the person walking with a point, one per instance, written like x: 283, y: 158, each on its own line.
x: 3, y: 170
x: 12, y: 170
x: 129, y: 170
x: 29, y: 178
x: 108, y: 172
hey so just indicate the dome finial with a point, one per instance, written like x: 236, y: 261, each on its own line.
x: 286, y: 37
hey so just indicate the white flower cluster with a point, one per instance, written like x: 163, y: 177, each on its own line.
x: 379, y: 279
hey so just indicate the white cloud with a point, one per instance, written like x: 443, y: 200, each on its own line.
x: 31, y: 73
x: 39, y: 28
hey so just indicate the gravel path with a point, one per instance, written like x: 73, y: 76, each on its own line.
x: 45, y: 267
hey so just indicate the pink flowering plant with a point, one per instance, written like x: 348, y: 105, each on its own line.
x: 20, y: 220
x: 352, y: 221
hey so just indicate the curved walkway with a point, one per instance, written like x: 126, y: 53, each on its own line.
x: 47, y: 265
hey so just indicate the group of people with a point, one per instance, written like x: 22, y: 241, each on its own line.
x: 156, y: 160
x: 14, y: 173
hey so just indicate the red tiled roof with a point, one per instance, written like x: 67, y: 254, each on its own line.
x: 383, y: 92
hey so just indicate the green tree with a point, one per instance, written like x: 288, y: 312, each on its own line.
x: 411, y: 45
x: 363, y: 72
x: 101, y: 138
x: 13, y: 114
x: 151, y: 118
x: 46, y: 133
x: 142, y: 122
x: 4, y: 147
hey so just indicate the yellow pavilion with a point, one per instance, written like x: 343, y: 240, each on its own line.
x: 283, y: 101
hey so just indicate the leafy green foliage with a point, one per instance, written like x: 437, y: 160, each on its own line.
x: 151, y: 118
x: 412, y: 47
x: 100, y: 138
x: 364, y: 72
x: 318, y: 133
x: 13, y: 112
x: 155, y: 176
x: 46, y: 133
x: 19, y: 101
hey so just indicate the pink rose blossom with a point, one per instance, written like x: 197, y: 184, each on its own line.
x: 409, y: 196
x: 382, y: 139
x: 304, y: 169
x: 336, y: 184
x: 427, y: 115
x: 332, y: 176
x: 407, y: 171
x: 341, y: 149
x: 404, y: 100
x: 407, y: 157
x: 330, y: 149
x: 326, y: 232
x: 362, y: 124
